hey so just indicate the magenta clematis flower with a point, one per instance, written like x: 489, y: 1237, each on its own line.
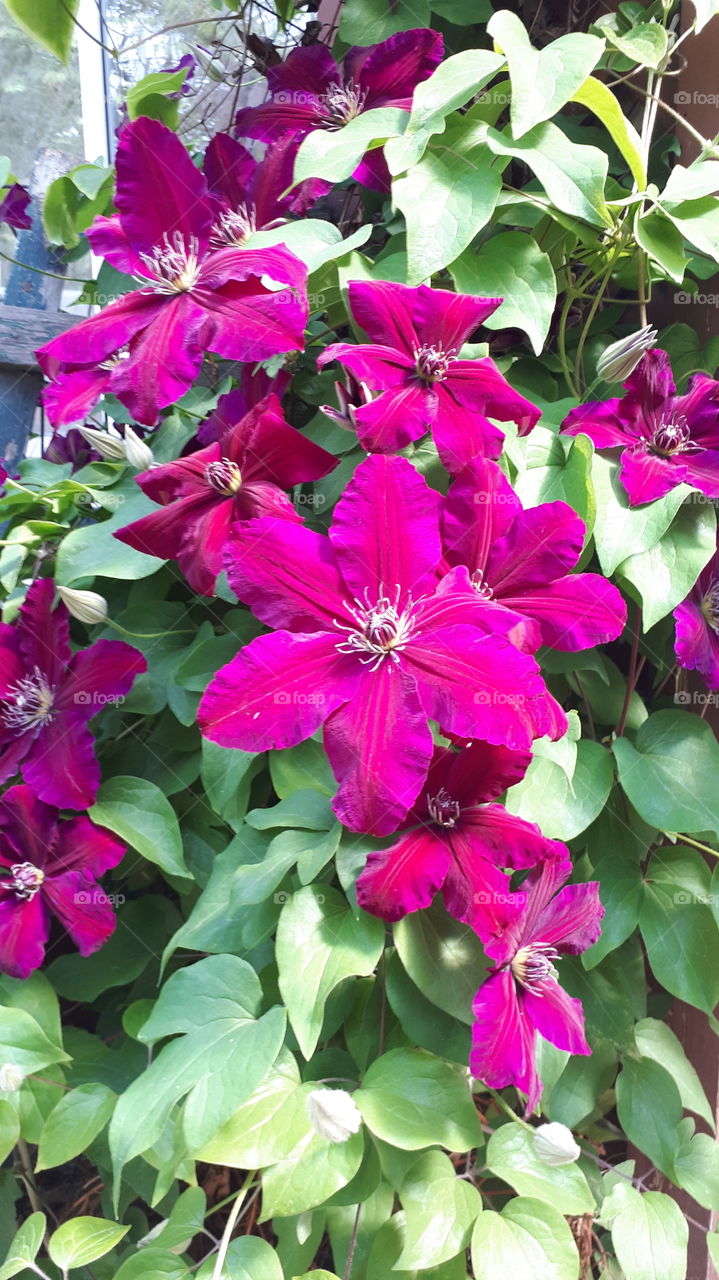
x: 192, y: 300
x: 47, y: 696
x: 14, y: 201
x: 255, y: 384
x: 48, y: 867
x: 524, y: 933
x: 249, y: 194
x: 665, y: 439
x: 458, y: 840
x: 239, y: 478
x: 697, y: 626
x: 414, y: 361
x: 372, y: 646
x: 521, y: 560
x: 310, y: 91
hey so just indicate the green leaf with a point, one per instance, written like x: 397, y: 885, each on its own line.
x: 513, y: 267
x: 698, y: 221
x: 223, y: 772
x: 696, y: 1169
x: 319, y: 944
x: 657, y: 1041
x: 620, y: 530
x: 669, y: 773
x: 700, y: 179
x: 564, y: 807
x: 443, y: 958
x: 598, y: 98
x: 678, y: 927
x: 50, y: 22
x: 140, y: 813
x: 334, y: 156
x: 422, y: 1022
x: 413, y: 1099
x: 306, y: 808
x: 542, y: 80
x: 528, y: 1238
x: 367, y: 21
x: 314, y: 1171
x: 573, y: 175
x: 161, y: 83
x: 268, y: 1126
x: 650, y: 1237
x: 621, y: 891
x: 649, y: 1109
x: 512, y: 1157
x: 565, y: 474
x: 645, y: 44
x: 74, y: 1123
x: 25, y: 1246
x: 82, y: 1240
x: 314, y: 241
x: 92, y: 550
x: 9, y: 1128
x: 664, y: 575
x: 440, y: 1209
x: 453, y: 83
x: 248, y: 1258
x: 152, y: 1264
x: 661, y: 239
x: 24, y: 1044
x: 705, y: 10
x: 300, y: 767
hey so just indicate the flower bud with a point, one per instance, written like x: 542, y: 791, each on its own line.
x: 86, y: 606
x: 112, y: 448
x: 621, y: 358
x: 333, y: 1114
x: 138, y: 453
x: 554, y: 1144
x: 11, y: 1077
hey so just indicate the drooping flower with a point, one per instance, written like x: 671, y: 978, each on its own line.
x: 255, y: 384
x: 351, y: 394
x: 192, y: 299
x: 47, y: 696
x: 250, y: 194
x: 241, y: 477
x: 455, y: 839
x: 71, y: 447
x: 524, y: 934
x: 310, y: 91
x: 522, y: 560
x: 665, y: 439
x: 49, y: 867
x: 371, y: 645
x: 414, y: 360
x: 14, y: 201
x: 697, y: 626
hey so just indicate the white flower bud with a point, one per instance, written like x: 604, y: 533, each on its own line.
x: 138, y: 453
x: 110, y: 447
x: 621, y: 358
x: 333, y: 1114
x: 11, y: 1077
x: 86, y: 606
x: 554, y: 1144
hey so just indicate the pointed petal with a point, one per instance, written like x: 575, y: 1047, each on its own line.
x: 287, y: 574
x: 446, y: 319
x: 543, y: 543
x: 472, y: 882
x: 266, y: 447
x: 557, y: 1017
x: 161, y: 533
x: 647, y: 476
x: 571, y: 921
x: 396, y: 418
x: 602, y: 421
x: 702, y: 472
x: 379, y: 746
x: 108, y: 240
x: 478, y: 385
x: 43, y: 632
x: 391, y: 71
x: 386, y: 313
x: 405, y: 877
x: 492, y: 833
x: 72, y: 396
x: 229, y: 168
x: 479, y: 508
x: 61, y: 764
x: 82, y: 908
x: 461, y: 434
x: 245, y: 321
x: 98, y: 676
x: 12, y: 662
x: 164, y: 360
x: 696, y: 644
x: 27, y: 825
x: 507, y: 925
x: 381, y: 367
x: 482, y: 771
x: 503, y: 1039
x: 309, y: 67
x: 576, y: 612
x: 24, y: 929
x: 159, y: 192
x: 277, y: 691
x: 81, y: 844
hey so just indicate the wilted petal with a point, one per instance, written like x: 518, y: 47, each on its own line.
x: 405, y: 877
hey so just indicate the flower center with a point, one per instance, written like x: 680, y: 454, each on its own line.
x: 117, y: 357
x: 671, y: 437
x: 710, y: 606
x: 224, y: 476
x: 383, y: 629
x: 532, y: 966
x: 27, y: 879
x: 233, y: 227
x: 28, y: 703
x: 482, y: 588
x: 443, y: 809
x: 174, y: 264
x: 432, y: 363
x: 340, y: 104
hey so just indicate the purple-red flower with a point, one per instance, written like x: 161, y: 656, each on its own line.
x: 310, y: 91
x: 242, y: 477
x: 193, y: 299
x: 47, y: 696
x: 371, y: 645
x: 254, y: 385
x: 457, y: 840
x: 414, y: 361
x: 521, y: 560
x: 697, y: 626
x: 524, y: 934
x: 49, y: 867
x: 249, y: 194
x: 14, y: 201
x: 665, y: 439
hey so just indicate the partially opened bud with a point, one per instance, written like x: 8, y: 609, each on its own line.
x: 11, y: 1077
x: 621, y: 358
x: 554, y: 1144
x: 86, y: 606
x: 138, y: 453
x: 333, y: 1114
x: 110, y: 447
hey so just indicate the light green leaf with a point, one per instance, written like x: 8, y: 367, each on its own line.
x: 268, y: 1126
x: 443, y: 958
x: 334, y: 156
x: 248, y: 1258
x: 92, y: 550
x: 650, y: 1237
x: 669, y: 773
x: 678, y: 927
x: 697, y: 1169
x: 700, y: 179
x: 311, y: 239
x: 24, y: 1246
x: 661, y: 239
x: 50, y: 22
x: 665, y: 574
x: 440, y: 1209
x: 24, y: 1044
x: 529, y: 1238
x: 512, y: 1157
x: 82, y: 1240
x: 621, y: 531
x: 705, y: 10
x: 657, y: 1041
x: 140, y: 813
x: 565, y: 475
x: 598, y: 98
x: 564, y: 807
x: 413, y: 1099
x: 315, y: 1170
x: 650, y: 1109
x: 367, y: 21
x: 152, y: 1264
x: 223, y: 772
x: 162, y: 83
x: 513, y: 267
x: 542, y: 80
x: 621, y: 890
x: 9, y: 1128
x: 319, y: 944
x: 74, y: 1123
x: 573, y: 175
x: 453, y: 83
x: 698, y: 221
x: 645, y: 44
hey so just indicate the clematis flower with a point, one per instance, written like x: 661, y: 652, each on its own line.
x: 14, y: 201
x: 370, y: 646
x: 47, y: 696
x: 249, y: 194
x: 414, y: 361
x: 49, y: 867
x: 456, y: 840
x: 254, y: 385
x: 665, y: 439
x: 192, y: 299
x: 524, y: 934
x: 521, y: 560
x: 697, y: 626
x: 310, y: 91
x: 239, y: 478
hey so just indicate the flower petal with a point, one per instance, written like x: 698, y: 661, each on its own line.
x: 576, y: 612
x: 82, y: 844
x: 557, y: 1017
x: 73, y: 395
x: 27, y: 825
x: 405, y: 877
x: 646, y: 476
x: 98, y: 676
x: 164, y: 360
x: 287, y: 574
x: 159, y: 193
x: 103, y: 335
x: 82, y: 907
x: 602, y: 421
x: 266, y: 447
x: 246, y: 321
x: 385, y: 311
x: 503, y: 1039
x: 61, y: 764
x: 391, y: 71
x: 570, y: 921
x: 396, y: 418
x: 108, y: 240
x: 24, y: 929
x: 478, y: 385
x: 43, y: 632
x: 696, y: 644
x: 482, y: 771
x: 479, y: 508
x: 461, y: 434
x: 542, y: 544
